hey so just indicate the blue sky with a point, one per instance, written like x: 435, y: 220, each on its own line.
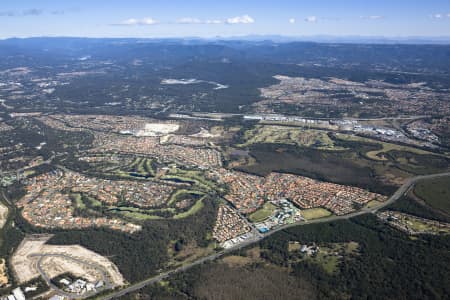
x: 176, y: 18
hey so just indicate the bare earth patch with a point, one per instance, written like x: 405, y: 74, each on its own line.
x: 3, y: 277
x: 157, y: 129
x: 24, y: 262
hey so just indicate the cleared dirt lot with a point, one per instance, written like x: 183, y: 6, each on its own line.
x: 25, y: 264
x: 3, y: 277
x: 157, y: 129
x: 56, y: 265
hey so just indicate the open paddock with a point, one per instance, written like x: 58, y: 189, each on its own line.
x: 315, y: 213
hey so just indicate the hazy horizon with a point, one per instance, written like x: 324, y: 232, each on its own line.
x: 205, y: 19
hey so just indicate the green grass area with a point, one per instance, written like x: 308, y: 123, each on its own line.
x: 310, y: 138
x: 427, y: 226
x: 385, y: 147
x: 420, y: 226
x: 148, y: 166
x: 139, y: 210
x: 138, y: 216
x: 182, y: 194
x: 262, y: 213
x: 126, y: 175
x: 328, y: 262
x: 141, y: 166
x: 28, y: 173
x: 315, y: 213
x: 93, y: 201
x: 152, y: 214
x: 373, y: 203
x: 179, y: 179
x: 196, y: 178
x: 435, y: 192
x: 350, y: 167
x: 78, y: 201
x: 352, y: 247
x: 83, y: 201
x: 194, y: 209
x: 329, y: 255
x: 138, y: 168
x: 135, y: 162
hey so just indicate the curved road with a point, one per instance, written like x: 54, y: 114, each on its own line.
x: 400, y: 192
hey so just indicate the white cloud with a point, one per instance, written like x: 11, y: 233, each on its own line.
x: 129, y: 22
x: 214, y: 22
x: 311, y: 19
x: 57, y: 12
x: 197, y: 21
x: 292, y: 20
x: 375, y: 17
x: 245, y: 19
x: 133, y: 22
x: 189, y: 21
x: 29, y: 12
x: 440, y: 16
x: 148, y: 21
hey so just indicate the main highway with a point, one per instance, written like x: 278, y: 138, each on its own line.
x: 256, y: 238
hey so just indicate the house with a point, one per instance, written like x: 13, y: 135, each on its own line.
x: 65, y: 281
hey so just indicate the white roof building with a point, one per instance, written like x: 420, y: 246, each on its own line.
x: 18, y: 294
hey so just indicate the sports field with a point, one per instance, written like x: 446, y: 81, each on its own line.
x: 262, y: 213
x: 315, y: 213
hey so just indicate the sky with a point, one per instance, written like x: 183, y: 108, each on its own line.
x: 212, y: 18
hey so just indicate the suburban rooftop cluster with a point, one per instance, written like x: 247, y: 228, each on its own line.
x: 45, y: 205
x: 143, y: 194
x: 249, y: 192
x: 229, y: 224
x: 414, y: 98
x: 203, y: 158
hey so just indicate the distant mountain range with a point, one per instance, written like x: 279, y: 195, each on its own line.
x: 418, y: 40
x: 343, y: 39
